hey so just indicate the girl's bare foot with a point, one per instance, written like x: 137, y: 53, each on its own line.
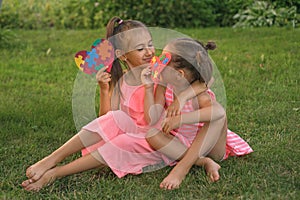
x: 173, y: 180
x: 212, y: 170
x: 46, y: 179
x: 36, y: 171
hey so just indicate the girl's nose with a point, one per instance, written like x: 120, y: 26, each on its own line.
x: 149, y: 51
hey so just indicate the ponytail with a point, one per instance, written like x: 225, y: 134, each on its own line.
x: 112, y: 25
x: 210, y: 45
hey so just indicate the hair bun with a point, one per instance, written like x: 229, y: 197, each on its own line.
x: 210, y: 45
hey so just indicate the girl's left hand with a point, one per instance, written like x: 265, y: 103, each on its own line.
x: 103, y: 78
x: 146, y: 76
x: 173, y: 109
x: 171, y: 123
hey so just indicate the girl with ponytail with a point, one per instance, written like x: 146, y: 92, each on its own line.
x: 198, y: 135
x: 117, y: 138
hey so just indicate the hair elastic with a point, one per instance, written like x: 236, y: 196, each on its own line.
x: 120, y: 22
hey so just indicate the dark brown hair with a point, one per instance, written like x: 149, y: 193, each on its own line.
x: 192, y: 55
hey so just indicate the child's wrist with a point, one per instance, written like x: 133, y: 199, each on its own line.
x: 181, y: 98
x: 104, y: 90
x: 148, y: 86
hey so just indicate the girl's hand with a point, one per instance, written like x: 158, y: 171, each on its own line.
x: 146, y: 76
x: 176, y: 106
x: 103, y: 78
x: 171, y: 123
x: 173, y: 109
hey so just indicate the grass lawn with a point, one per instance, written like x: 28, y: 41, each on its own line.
x: 260, y: 70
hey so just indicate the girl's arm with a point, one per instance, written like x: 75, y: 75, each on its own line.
x: 106, y: 92
x: 105, y: 103
x: 195, y: 89
x: 206, y: 137
x: 154, y: 99
x: 209, y: 110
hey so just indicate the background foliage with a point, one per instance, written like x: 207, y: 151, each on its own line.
x: 79, y: 14
x: 262, y: 13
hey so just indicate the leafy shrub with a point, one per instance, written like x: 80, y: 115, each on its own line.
x: 7, y: 37
x: 262, y: 13
x: 225, y: 10
x: 38, y: 14
x: 174, y: 13
x: 30, y: 14
x: 35, y: 14
x: 287, y: 16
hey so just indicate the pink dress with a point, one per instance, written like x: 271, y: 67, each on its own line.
x: 235, y: 145
x: 124, y: 149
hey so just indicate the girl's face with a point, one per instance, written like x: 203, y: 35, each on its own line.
x: 172, y: 75
x: 169, y: 74
x: 140, y: 49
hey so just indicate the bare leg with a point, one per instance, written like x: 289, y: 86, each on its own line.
x: 203, y: 143
x: 176, y: 150
x: 171, y: 146
x: 212, y: 169
x: 90, y: 161
x: 218, y: 151
x: 166, y: 144
x: 75, y: 144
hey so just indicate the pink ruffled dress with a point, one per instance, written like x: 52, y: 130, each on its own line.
x: 235, y: 145
x: 124, y: 147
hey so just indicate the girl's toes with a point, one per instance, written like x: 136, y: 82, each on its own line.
x: 26, y: 183
x: 35, y: 178
x: 164, y: 186
x: 29, y: 173
x: 215, y: 177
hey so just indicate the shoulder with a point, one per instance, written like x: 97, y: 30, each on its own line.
x: 202, y: 100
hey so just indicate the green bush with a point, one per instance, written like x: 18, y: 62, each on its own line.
x: 262, y: 13
x: 94, y: 14
x: 36, y: 14
x: 225, y: 10
x: 30, y: 14
x: 7, y: 37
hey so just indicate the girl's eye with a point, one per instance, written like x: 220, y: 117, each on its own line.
x: 143, y: 48
x: 150, y: 46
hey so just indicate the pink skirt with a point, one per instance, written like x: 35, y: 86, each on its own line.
x: 124, y: 147
x: 126, y: 151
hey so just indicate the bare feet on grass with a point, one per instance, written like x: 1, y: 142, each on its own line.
x: 173, y: 180
x: 175, y: 177
x: 212, y: 170
x: 36, y: 171
x: 45, y: 180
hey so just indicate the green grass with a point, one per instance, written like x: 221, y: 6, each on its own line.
x: 262, y: 106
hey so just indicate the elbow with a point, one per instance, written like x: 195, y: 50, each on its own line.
x: 150, y: 122
x: 147, y: 120
x: 220, y: 112
x: 153, y: 115
x: 153, y: 137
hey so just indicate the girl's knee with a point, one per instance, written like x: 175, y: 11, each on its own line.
x: 152, y: 135
x: 98, y: 157
x: 218, y: 157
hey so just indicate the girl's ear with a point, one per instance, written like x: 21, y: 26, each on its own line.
x: 120, y: 54
x: 180, y: 74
